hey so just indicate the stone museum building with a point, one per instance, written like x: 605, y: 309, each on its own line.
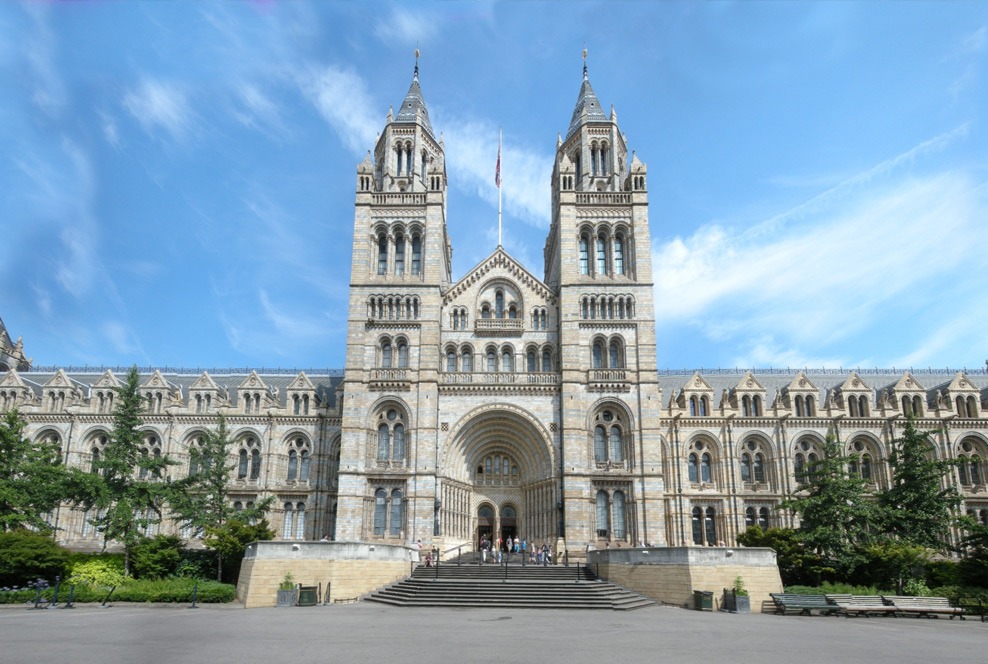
x: 511, y: 400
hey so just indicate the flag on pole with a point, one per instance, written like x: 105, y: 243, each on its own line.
x: 497, y: 171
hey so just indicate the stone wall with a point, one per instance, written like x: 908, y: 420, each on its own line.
x: 671, y: 574
x: 348, y: 569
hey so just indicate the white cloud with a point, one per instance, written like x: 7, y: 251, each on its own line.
x: 407, y: 27
x: 156, y: 104
x: 827, y: 269
x: 258, y: 111
x: 342, y: 99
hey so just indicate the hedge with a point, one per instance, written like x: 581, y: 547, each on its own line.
x: 175, y: 590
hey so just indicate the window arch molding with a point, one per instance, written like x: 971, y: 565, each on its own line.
x: 297, y: 447
x: 390, y: 432
x: 249, y: 450
x: 499, y: 298
x: 806, y: 451
x: 865, y: 457
x: 757, y: 461
x: 703, y: 457
x: 611, y: 435
x: 972, y: 461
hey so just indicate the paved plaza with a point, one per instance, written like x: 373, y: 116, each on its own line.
x: 366, y: 632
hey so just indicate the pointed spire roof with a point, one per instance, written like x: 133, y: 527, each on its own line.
x: 587, y: 105
x: 413, y: 108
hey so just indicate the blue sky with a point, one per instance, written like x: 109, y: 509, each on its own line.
x: 178, y: 178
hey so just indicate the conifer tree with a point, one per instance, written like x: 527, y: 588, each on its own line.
x: 201, y: 500
x: 131, y: 493
x: 835, y: 515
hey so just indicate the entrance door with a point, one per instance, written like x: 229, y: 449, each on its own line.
x: 509, y: 526
x: 485, y: 523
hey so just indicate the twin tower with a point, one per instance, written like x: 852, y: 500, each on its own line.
x: 501, y: 404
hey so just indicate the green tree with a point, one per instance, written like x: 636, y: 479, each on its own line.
x: 131, y: 493
x: 156, y: 557
x: 201, y: 500
x: 918, y: 506
x: 26, y: 555
x: 835, y: 515
x: 33, y: 479
x: 230, y: 540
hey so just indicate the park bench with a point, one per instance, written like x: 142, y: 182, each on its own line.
x: 924, y: 606
x: 865, y: 605
x: 973, y: 606
x: 804, y: 604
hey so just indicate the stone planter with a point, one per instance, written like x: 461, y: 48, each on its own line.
x: 286, y: 598
x: 742, y: 604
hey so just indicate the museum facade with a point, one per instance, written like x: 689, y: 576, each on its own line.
x: 503, y: 403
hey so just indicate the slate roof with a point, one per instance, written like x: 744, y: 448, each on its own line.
x: 413, y: 109
x: 586, y: 101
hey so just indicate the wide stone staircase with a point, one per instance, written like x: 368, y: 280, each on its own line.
x: 513, y: 586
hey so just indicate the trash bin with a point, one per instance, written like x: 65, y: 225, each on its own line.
x: 703, y: 600
x: 308, y: 596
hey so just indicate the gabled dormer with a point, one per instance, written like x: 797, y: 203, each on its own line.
x: 963, y: 397
x: 301, y: 398
x: 103, y: 393
x: 254, y: 395
x: 14, y: 392
x: 696, y: 397
x: 159, y: 394
x: 801, y: 396
x: 205, y: 394
x: 909, y: 396
x: 854, y: 396
x: 748, y: 396
x: 61, y: 391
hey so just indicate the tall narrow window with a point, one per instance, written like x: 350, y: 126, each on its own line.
x: 242, y: 466
x: 499, y: 305
x: 383, y: 442
x: 386, y: 354
x: 694, y: 474
x: 292, y: 464
x: 618, y: 509
x: 603, y: 515
x: 402, y: 355
x: 451, y: 360
x: 710, y: 529
x: 382, y: 254
x: 286, y: 530
x: 705, y: 467
x: 546, y: 360
x: 745, y: 467
x: 617, y: 448
x: 763, y: 518
x: 416, y: 255
x: 399, y: 446
x: 300, y: 521
x: 600, y: 444
x: 507, y: 360
x: 380, y: 511
x: 697, y: 522
x: 466, y: 362
x: 619, y: 254
x: 255, y: 464
x: 400, y: 255
x: 584, y: 255
x: 397, y: 513
x: 759, y: 467
x: 598, y: 355
x: 601, y: 255
x: 304, y: 462
x: 614, y: 355
x: 491, y: 361
x: 530, y: 359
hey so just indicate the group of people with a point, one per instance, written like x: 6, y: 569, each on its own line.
x: 495, y: 551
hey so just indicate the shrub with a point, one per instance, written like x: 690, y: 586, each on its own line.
x: 131, y: 590
x: 98, y: 572
x: 26, y: 556
x: 827, y: 588
x: 942, y: 573
x: 156, y: 557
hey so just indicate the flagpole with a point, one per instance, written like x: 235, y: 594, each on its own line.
x: 500, y: 131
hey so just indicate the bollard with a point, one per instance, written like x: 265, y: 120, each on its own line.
x: 37, y: 595
x: 195, y: 595
x: 107, y: 598
x: 577, y: 566
x: 566, y: 558
x: 68, y: 602
x: 54, y: 597
x: 319, y: 598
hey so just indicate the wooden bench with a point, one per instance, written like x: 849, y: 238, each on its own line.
x: 973, y: 606
x: 862, y: 605
x: 931, y: 607
x: 804, y: 604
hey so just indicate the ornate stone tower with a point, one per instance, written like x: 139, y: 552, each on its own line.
x: 401, y: 264
x: 598, y: 259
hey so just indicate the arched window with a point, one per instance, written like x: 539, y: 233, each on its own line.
x: 491, y: 361
x: 499, y: 304
x: 746, y: 406
x: 710, y: 529
x: 603, y: 515
x: 918, y: 406
x: 693, y: 406
x: 304, y: 464
x: 616, y: 447
x: 697, y: 522
x: 601, y: 255
x: 450, y: 360
x: 705, y: 467
x: 584, y: 255
x: 810, y: 406
x: 799, y: 468
x: 972, y: 407
x: 399, y: 442
x: 507, y: 360
x: 756, y: 406
x: 242, y: 466
x: 907, y: 406
x: 292, y: 465
x: 397, y: 513
x: 546, y: 360
x: 286, y: 530
x: 531, y: 361
x: 619, y: 254
x: 799, y: 405
x: 600, y: 444
x: 400, y: 255
x: 615, y: 360
x: 763, y: 518
x: 598, y: 354
x: 745, y: 467
x: 759, y: 467
x: 386, y: 354
x: 416, y: 255
x: 391, y: 443
x: 466, y: 360
x: 703, y: 406
x: 94, y: 463
x: 866, y: 467
x: 382, y: 254
x: 255, y: 464
x: 300, y: 521
x: 380, y: 512
x: 618, y: 509
x: 402, y: 354
x: 383, y: 442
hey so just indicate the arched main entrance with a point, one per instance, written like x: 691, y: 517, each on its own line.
x: 497, y: 478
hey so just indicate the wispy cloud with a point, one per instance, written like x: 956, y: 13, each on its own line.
x: 342, y: 99
x: 814, y: 275
x: 160, y: 105
x: 406, y: 26
x: 256, y: 110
